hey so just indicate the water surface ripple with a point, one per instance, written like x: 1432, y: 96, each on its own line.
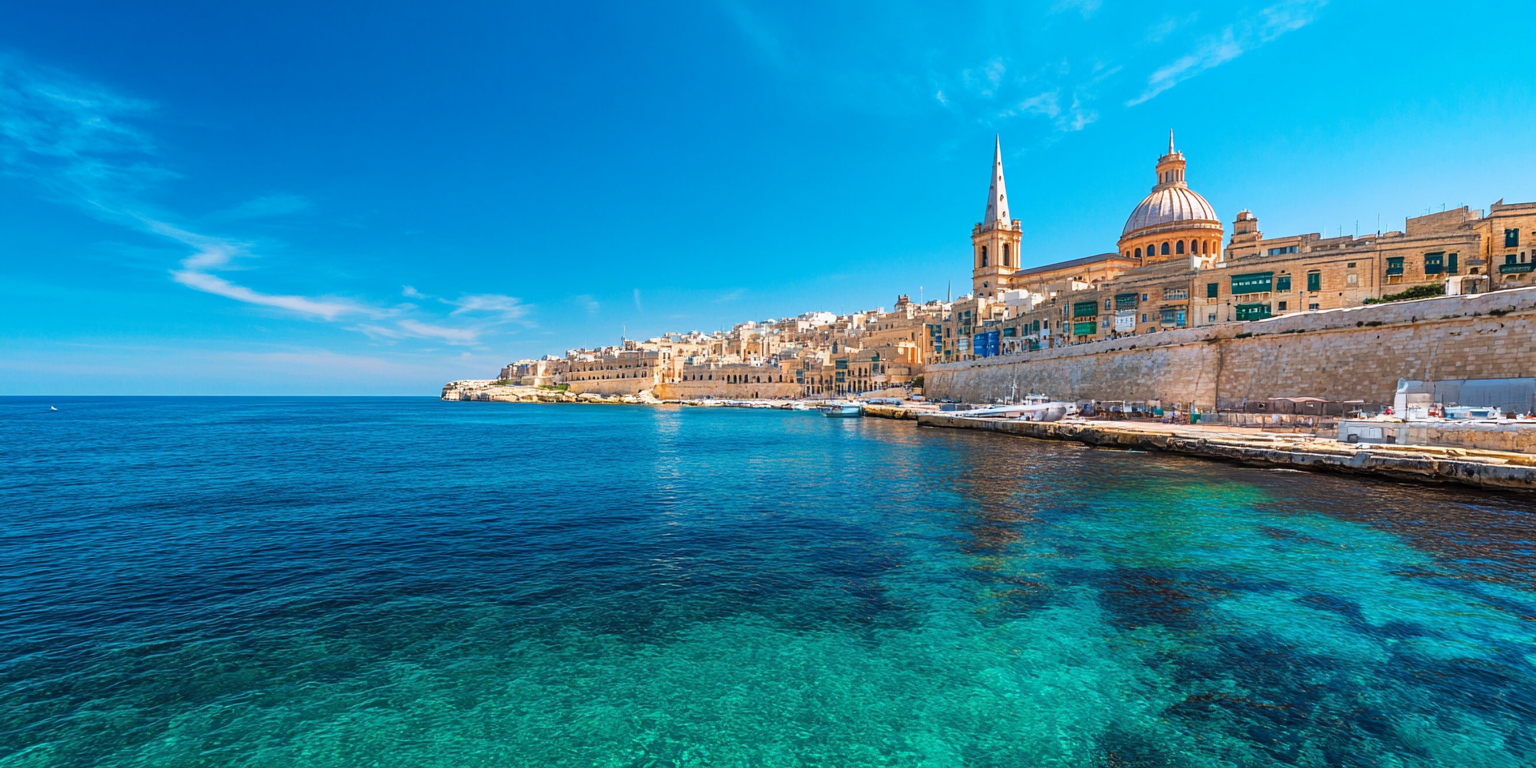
x: 404, y: 582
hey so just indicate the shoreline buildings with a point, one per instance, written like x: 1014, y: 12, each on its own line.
x: 1173, y: 267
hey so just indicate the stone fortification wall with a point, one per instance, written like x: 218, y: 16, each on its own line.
x: 698, y: 390
x: 611, y: 386
x: 1347, y: 354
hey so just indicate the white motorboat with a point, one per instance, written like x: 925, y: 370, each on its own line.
x: 842, y: 410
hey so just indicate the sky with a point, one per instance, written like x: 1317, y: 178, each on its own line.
x: 377, y: 198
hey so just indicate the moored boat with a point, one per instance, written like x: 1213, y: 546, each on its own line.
x: 842, y: 410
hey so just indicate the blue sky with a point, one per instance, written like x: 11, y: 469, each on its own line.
x: 375, y: 198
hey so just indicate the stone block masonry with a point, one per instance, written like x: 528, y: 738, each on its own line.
x: 1347, y: 354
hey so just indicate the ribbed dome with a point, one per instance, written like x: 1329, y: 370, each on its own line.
x: 1169, y: 204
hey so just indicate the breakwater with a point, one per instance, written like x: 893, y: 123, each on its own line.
x: 1349, y: 354
x: 1483, y: 469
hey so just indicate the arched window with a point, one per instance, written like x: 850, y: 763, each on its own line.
x: 1165, y: 249
x: 1005, y: 254
x: 1178, y: 246
x: 1138, y: 253
x: 983, y: 255
x: 1205, y: 246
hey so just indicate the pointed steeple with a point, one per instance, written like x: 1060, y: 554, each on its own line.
x: 1170, y: 141
x: 997, y: 196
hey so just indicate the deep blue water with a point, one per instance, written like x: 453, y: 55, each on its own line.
x: 405, y: 582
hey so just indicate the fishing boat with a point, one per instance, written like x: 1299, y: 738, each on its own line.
x: 842, y: 410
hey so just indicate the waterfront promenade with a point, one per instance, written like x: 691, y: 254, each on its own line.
x: 1501, y: 470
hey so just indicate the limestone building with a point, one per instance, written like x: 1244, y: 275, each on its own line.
x: 996, y: 239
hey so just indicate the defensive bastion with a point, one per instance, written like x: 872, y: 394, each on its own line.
x: 1357, y: 353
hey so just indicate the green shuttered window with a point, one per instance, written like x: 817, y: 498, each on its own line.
x: 1314, y: 281
x: 1085, y: 309
x: 1252, y: 311
x: 1257, y: 282
x: 1283, y: 283
x: 1084, y: 329
x: 1434, y: 263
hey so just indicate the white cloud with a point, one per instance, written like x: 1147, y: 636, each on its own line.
x: 1232, y: 42
x: 730, y: 296
x: 502, y: 307
x: 76, y: 139
x: 589, y: 303
x: 1042, y: 104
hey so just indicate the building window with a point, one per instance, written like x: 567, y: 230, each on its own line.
x: 1138, y: 253
x: 1175, y: 294
x: 1165, y: 249
x: 1005, y: 254
x: 1252, y: 311
x: 1286, y: 249
x: 1109, y: 303
x: 1511, y: 238
x: 1280, y: 306
x: 1178, y: 246
x: 1143, y: 297
x: 1211, y: 318
x: 1451, y: 267
x: 1312, y: 307
x: 1314, y: 281
x: 1394, y: 265
x: 1211, y: 291
x: 1434, y: 263
x: 1283, y: 283
x: 983, y: 255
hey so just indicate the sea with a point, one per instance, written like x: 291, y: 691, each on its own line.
x: 227, y: 581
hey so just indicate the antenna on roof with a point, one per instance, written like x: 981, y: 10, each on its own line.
x: 1170, y: 141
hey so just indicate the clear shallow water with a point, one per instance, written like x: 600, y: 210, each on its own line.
x: 350, y: 582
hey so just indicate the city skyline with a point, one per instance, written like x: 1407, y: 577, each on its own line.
x: 169, y: 230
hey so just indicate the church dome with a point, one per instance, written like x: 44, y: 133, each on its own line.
x: 1169, y: 204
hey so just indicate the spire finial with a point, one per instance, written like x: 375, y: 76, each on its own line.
x: 1170, y: 141
x: 997, y: 194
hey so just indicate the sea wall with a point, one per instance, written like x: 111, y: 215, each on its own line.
x: 611, y: 386
x: 1345, y: 354
x: 698, y: 390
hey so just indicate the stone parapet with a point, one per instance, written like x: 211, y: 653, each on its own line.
x: 1348, y: 354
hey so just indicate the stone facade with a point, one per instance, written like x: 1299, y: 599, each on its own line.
x: 1348, y: 354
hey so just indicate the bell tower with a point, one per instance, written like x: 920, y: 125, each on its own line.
x: 995, y: 241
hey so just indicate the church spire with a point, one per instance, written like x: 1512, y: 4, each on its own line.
x: 997, y: 196
x: 1170, y: 141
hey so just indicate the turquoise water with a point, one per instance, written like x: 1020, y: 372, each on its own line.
x: 377, y: 582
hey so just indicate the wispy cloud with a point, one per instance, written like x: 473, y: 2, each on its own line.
x: 72, y: 136
x: 78, y: 140
x: 266, y: 206
x: 1230, y: 43
x: 1086, y: 8
x: 212, y: 254
x: 730, y: 296
x: 638, y: 308
x: 588, y: 303
x: 757, y: 31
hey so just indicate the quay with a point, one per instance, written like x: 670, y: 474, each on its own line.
x: 1497, y: 470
